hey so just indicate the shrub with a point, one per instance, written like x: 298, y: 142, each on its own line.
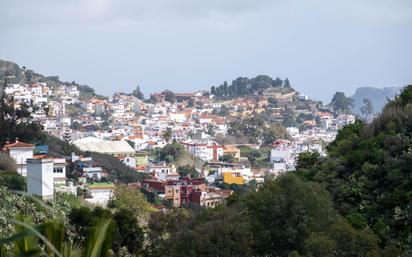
x: 7, y: 163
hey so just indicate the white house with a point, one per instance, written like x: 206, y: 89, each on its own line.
x: 206, y: 150
x: 94, y: 173
x: 177, y: 117
x: 281, y: 156
x: 20, y: 152
x: 100, y: 193
x: 129, y: 161
x: 163, y: 172
x: 59, y: 171
x: 40, y: 178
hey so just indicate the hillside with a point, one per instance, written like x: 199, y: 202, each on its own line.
x: 22, y: 75
x: 368, y: 173
x: 378, y: 96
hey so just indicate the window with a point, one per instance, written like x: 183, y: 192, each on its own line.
x: 57, y: 170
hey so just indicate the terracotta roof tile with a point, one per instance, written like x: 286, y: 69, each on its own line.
x: 18, y: 144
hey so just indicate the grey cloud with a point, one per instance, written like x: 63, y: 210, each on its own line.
x: 321, y: 45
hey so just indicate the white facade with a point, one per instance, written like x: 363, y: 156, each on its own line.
x: 40, y: 178
x: 177, y: 117
x: 59, y: 171
x: 100, y: 193
x: 282, y: 156
x: 20, y: 155
x: 94, y: 173
x: 205, y: 150
x: 129, y: 161
x: 162, y: 172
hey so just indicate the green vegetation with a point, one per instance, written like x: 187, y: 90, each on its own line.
x: 138, y: 93
x: 368, y: 173
x: 118, y: 171
x: 367, y: 108
x: 244, y: 86
x: 28, y: 240
x: 227, y: 158
x: 257, y: 130
x: 357, y: 201
x: 258, y: 158
x: 170, y: 153
x: 12, y: 181
x: 340, y: 103
x: 186, y: 170
x: 74, y: 110
x: 16, y: 75
x: 131, y: 199
x: 7, y: 163
x: 16, y: 123
x: 286, y: 215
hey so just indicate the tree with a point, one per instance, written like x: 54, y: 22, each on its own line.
x: 191, y: 102
x: 285, y: 212
x: 138, y: 93
x: 48, y: 239
x: 128, y: 233
x: 367, y: 108
x: 174, y: 150
x: 7, y: 163
x: 274, y: 132
x: 286, y: 83
x: 183, y: 232
x: 340, y: 103
x: 306, y: 160
x: 213, y: 90
x: 367, y: 172
x: 167, y: 135
x: 278, y: 82
x: 17, y: 123
x: 126, y: 197
x: 186, y: 170
x: 227, y: 158
x: 169, y: 96
x: 223, y: 111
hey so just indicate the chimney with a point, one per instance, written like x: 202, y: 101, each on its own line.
x: 17, y: 139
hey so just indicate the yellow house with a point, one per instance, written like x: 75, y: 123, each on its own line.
x: 172, y: 193
x: 232, y: 177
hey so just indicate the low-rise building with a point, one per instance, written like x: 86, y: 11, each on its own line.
x: 162, y: 171
x: 40, y: 178
x: 20, y: 152
x: 100, y: 193
x: 59, y: 171
x: 205, y: 150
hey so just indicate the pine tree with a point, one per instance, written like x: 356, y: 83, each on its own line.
x: 138, y: 93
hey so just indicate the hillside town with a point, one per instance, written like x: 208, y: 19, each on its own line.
x: 229, y: 128
x: 133, y: 130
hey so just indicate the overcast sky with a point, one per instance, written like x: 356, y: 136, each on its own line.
x: 322, y: 46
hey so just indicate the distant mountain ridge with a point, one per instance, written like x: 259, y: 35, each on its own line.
x: 378, y: 96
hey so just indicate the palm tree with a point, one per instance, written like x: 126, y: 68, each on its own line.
x: 26, y: 241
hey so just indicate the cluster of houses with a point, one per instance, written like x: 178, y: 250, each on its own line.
x: 128, y: 129
x: 46, y: 175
